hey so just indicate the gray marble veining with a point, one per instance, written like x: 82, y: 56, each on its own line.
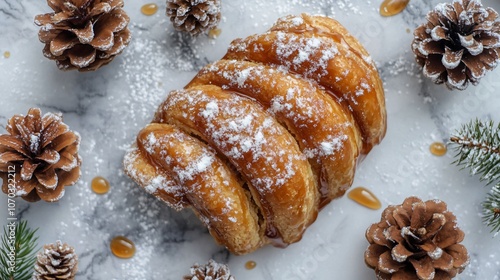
x: 110, y: 106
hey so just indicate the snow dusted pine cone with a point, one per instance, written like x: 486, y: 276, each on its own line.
x: 210, y: 271
x: 83, y: 34
x: 41, y: 154
x: 416, y: 240
x: 56, y: 261
x: 459, y: 42
x: 194, y: 16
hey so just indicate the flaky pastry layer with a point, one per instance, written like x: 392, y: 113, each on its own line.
x: 262, y: 139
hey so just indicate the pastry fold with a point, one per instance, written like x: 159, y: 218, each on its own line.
x: 262, y: 139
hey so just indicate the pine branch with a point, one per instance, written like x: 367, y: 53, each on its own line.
x: 25, y: 250
x: 491, y: 209
x: 478, y: 148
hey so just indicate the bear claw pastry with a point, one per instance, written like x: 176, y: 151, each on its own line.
x: 262, y: 139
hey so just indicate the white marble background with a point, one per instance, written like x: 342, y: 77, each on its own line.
x: 110, y: 106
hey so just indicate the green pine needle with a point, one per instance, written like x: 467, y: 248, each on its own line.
x: 25, y: 252
x: 491, y: 209
x: 478, y: 149
x: 477, y: 145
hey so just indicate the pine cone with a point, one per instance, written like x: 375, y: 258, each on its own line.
x: 41, y: 153
x: 416, y: 240
x: 56, y: 261
x: 210, y: 271
x: 194, y: 16
x: 459, y: 42
x: 83, y: 34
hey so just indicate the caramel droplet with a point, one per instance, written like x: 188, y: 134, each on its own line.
x: 365, y: 198
x: 392, y: 7
x: 250, y: 265
x: 6, y: 54
x: 100, y: 185
x: 149, y: 9
x: 214, y: 33
x: 438, y: 149
x: 122, y: 247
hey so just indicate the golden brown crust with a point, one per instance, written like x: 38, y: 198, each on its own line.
x: 203, y: 175
x: 155, y: 181
x: 327, y: 135
x: 278, y: 126
x: 326, y: 59
x: 277, y: 173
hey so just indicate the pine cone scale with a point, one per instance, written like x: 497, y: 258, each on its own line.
x: 79, y: 32
x: 402, y: 218
x: 39, y: 167
x: 103, y: 40
x: 434, y: 69
x: 53, y: 127
x: 489, y: 40
x: 56, y: 261
x: 438, y: 33
x: 60, y: 17
x: 54, y: 5
x: 62, y: 42
x: 435, y: 226
x: 475, y: 68
x: 418, y: 216
x: 45, y: 35
x: 462, y: 31
x: 84, y: 35
x: 372, y: 254
x: 4, y: 167
x: 427, y: 246
x: 25, y: 187
x: 49, y: 156
x: 400, y: 253
x: 32, y: 120
x: 11, y: 142
x: 67, y: 162
x: 387, y: 264
x: 101, y: 8
x: 210, y: 271
x: 115, y: 3
x: 50, y: 195
x: 28, y: 169
x: 47, y: 178
x: 123, y: 39
x: 82, y: 56
x: 194, y: 17
x: 424, y: 268
x: 452, y: 59
x: 11, y: 156
x: 120, y: 23
x: 393, y: 234
x: 379, y: 237
x: 62, y: 141
x: 456, y: 251
x: 445, y: 262
x: 70, y: 177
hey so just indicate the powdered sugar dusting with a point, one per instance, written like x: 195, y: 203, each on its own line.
x: 241, y: 133
x: 155, y: 184
x: 436, y: 254
x: 294, y: 50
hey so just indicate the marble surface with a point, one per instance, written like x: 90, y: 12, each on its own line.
x: 108, y: 108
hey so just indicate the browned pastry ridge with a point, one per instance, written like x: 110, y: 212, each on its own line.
x: 262, y: 139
